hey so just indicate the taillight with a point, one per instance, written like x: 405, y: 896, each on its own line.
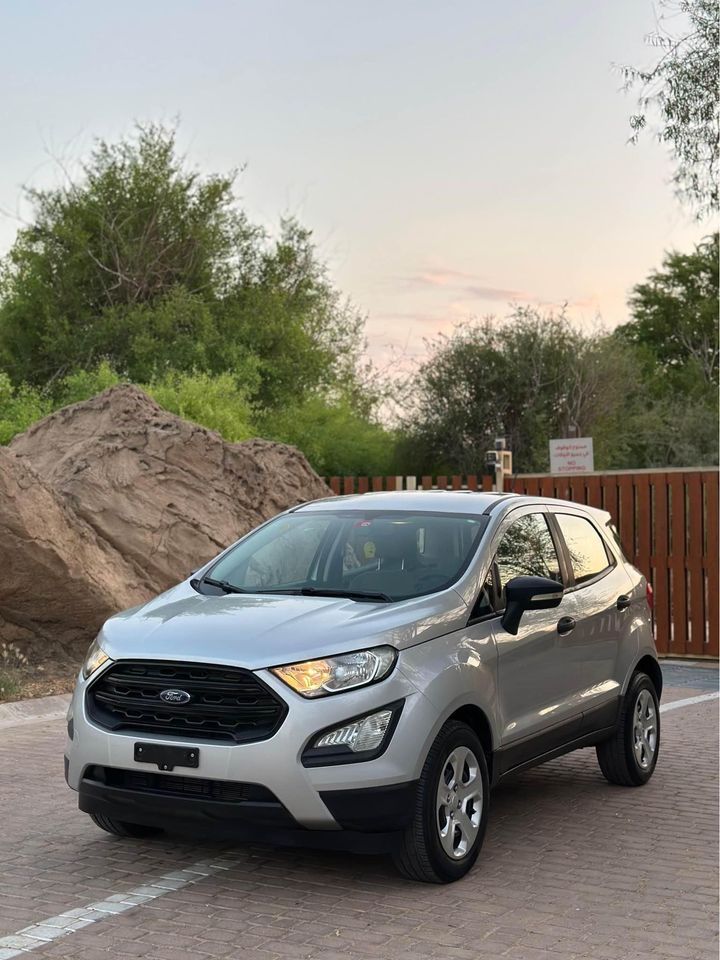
x: 649, y: 595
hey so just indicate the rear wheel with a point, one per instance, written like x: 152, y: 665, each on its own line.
x: 121, y: 828
x: 443, y: 841
x: 629, y: 757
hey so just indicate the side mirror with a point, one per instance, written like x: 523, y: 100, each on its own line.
x: 529, y: 593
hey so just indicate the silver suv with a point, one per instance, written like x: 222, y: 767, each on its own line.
x: 359, y: 671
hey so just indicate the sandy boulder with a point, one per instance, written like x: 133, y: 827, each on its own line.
x: 136, y: 497
x: 59, y: 582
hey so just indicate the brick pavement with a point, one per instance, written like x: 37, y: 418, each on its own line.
x: 572, y: 868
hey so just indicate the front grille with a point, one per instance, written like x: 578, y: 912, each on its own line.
x: 173, y: 786
x: 226, y: 703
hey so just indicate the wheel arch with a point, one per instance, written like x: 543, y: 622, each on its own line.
x: 476, y: 718
x: 649, y: 665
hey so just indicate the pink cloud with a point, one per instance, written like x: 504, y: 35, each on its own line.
x: 495, y: 293
x: 462, y: 284
x: 439, y: 277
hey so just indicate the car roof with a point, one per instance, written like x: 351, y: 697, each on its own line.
x: 444, y: 501
x: 425, y: 501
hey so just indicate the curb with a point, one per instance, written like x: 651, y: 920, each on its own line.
x: 708, y: 664
x: 33, y: 711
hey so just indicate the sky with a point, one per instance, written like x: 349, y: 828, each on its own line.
x: 452, y: 157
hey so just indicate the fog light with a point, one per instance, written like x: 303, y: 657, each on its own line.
x: 361, y: 735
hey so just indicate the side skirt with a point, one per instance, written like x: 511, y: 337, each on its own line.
x: 586, y: 731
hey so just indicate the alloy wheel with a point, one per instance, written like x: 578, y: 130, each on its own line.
x: 459, y: 802
x: 644, y: 729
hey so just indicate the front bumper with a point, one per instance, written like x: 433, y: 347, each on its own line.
x: 375, y: 796
x: 364, y: 830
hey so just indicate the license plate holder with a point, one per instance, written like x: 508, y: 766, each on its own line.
x: 167, y: 757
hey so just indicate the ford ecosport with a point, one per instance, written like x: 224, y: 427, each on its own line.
x: 359, y: 671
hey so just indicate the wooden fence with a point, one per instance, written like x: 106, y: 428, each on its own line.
x: 668, y: 524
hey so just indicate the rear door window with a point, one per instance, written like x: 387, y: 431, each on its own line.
x: 588, y: 554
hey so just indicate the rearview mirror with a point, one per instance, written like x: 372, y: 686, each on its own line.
x: 529, y: 593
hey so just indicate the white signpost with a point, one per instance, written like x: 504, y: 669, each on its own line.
x: 571, y: 455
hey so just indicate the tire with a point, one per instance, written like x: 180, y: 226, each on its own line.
x: 455, y: 760
x: 120, y: 828
x: 629, y: 756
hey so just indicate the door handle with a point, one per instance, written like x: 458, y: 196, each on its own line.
x: 565, y: 625
x: 623, y: 602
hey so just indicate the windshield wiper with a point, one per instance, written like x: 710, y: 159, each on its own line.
x: 223, y: 584
x: 327, y: 592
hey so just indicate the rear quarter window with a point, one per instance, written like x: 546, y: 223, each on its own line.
x: 588, y: 554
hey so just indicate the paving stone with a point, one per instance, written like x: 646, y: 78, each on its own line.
x: 572, y: 869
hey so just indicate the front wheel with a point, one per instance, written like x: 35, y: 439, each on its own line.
x: 444, y: 838
x: 628, y: 758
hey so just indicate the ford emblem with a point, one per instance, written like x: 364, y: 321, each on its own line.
x: 175, y: 696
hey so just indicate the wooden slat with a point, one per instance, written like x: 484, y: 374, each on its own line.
x: 694, y: 564
x: 335, y: 484
x: 610, y: 497
x: 626, y: 507
x: 456, y: 482
x: 532, y: 487
x: 562, y: 488
x: 363, y: 484
x: 642, y: 521
x: 659, y: 561
x: 547, y: 487
x: 426, y: 483
x: 711, y: 523
x: 471, y: 481
x: 348, y: 485
x: 391, y: 483
x: 487, y: 483
x: 678, y: 591
x: 377, y: 484
x: 594, y: 492
x: 577, y: 489
x: 442, y: 483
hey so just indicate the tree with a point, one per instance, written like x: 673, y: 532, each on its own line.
x: 674, y: 334
x: 675, y: 315
x: 682, y: 89
x: 152, y: 268
x: 528, y: 378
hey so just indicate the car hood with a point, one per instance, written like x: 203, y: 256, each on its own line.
x: 256, y: 631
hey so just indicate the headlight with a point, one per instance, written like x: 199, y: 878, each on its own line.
x: 95, y: 658
x: 318, y: 678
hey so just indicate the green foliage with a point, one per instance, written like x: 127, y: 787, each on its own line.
x: 214, y: 402
x: 528, y: 378
x: 150, y: 267
x: 682, y: 89
x: 533, y: 377
x: 147, y: 272
x: 287, y: 314
x: 334, y: 437
x: 12, y: 664
x: 674, y: 333
x: 83, y: 384
x: 219, y: 403
x: 675, y: 316
x: 19, y: 407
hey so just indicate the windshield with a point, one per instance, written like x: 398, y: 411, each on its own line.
x: 386, y: 555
